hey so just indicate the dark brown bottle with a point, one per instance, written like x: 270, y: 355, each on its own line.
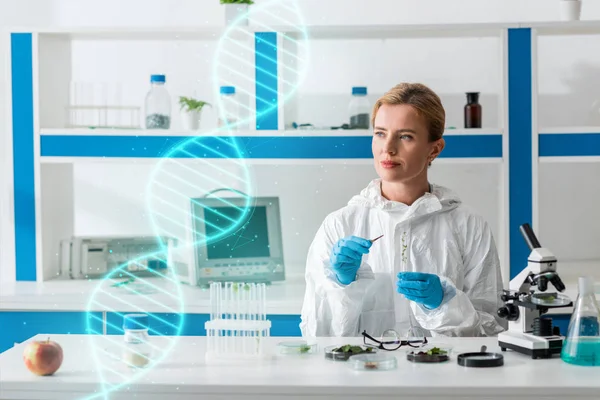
x: 473, y: 111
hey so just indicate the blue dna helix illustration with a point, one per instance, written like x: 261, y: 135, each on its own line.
x: 209, y: 164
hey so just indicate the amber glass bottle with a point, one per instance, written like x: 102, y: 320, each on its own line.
x: 473, y: 111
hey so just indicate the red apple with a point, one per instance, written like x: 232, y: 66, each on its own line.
x: 43, y: 357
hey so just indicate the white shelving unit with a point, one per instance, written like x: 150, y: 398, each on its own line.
x: 52, y: 76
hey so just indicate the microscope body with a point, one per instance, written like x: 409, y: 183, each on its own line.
x: 528, y: 332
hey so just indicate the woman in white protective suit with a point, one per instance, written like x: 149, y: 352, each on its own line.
x: 436, y: 269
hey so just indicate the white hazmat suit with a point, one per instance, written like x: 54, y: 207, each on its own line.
x: 436, y: 234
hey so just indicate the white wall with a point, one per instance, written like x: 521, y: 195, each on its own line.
x: 569, y: 72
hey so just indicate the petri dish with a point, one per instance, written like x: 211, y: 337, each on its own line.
x: 373, y: 362
x: 480, y: 359
x: 550, y: 299
x: 431, y: 353
x: 297, y: 347
x: 338, y: 353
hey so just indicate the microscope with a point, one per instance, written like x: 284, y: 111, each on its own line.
x: 528, y: 332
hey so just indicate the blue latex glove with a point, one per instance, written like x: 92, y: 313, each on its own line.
x: 421, y: 288
x: 346, y: 257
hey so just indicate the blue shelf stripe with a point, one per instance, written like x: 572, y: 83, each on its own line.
x: 23, y: 155
x: 457, y: 146
x: 520, y: 144
x: 265, y: 48
x: 569, y: 145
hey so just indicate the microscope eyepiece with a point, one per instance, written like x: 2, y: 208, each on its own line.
x: 529, y: 236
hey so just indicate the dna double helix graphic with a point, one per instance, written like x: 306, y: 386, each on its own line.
x: 212, y: 164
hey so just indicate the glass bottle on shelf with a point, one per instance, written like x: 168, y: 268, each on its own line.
x: 359, y: 108
x: 473, y: 111
x: 228, y: 115
x: 158, y: 104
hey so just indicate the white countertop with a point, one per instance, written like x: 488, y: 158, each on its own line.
x: 184, y: 375
x: 283, y: 298
x: 96, y: 295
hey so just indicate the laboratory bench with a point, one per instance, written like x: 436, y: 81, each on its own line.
x: 184, y: 374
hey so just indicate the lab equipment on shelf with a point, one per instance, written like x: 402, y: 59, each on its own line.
x: 528, y: 332
x: 238, y: 323
x: 100, y: 105
x: 253, y: 253
x: 137, y: 351
x: 582, y: 343
x: 359, y: 109
x: 229, y: 110
x: 473, y: 111
x: 96, y: 257
x: 158, y: 104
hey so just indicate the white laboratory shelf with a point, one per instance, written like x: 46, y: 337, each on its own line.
x: 570, y: 129
x: 310, y: 31
x: 244, y: 133
x: 215, y: 132
x: 386, y: 31
x: 560, y: 28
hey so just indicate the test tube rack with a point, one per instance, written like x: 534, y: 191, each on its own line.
x: 238, y: 323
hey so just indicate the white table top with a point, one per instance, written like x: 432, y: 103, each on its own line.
x: 184, y: 375
x: 284, y: 297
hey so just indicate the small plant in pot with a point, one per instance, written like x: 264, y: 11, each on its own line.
x: 190, y: 112
x: 236, y: 10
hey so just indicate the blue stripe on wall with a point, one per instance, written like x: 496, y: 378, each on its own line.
x: 18, y: 326
x: 468, y: 146
x: 520, y: 144
x: 23, y: 155
x: 265, y: 48
x: 569, y: 145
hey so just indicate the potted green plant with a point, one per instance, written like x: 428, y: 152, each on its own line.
x: 190, y: 112
x: 236, y: 10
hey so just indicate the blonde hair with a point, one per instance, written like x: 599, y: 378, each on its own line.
x: 424, y: 100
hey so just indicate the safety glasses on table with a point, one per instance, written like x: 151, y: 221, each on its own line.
x: 390, y: 340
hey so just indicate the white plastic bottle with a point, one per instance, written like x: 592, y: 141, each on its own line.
x: 158, y: 104
x: 229, y: 113
x: 137, y: 352
x: 359, y: 109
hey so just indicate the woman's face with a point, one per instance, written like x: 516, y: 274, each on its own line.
x: 401, y: 146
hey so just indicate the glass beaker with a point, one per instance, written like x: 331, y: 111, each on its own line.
x: 582, y: 343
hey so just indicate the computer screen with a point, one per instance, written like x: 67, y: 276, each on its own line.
x: 251, y: 240
x: 253, y: 252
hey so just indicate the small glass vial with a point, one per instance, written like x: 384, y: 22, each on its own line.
x: 359, y: 108
x: 137, y: 352
x: 473, y: 111
x: 229, y: 113
x: 158, y: 104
